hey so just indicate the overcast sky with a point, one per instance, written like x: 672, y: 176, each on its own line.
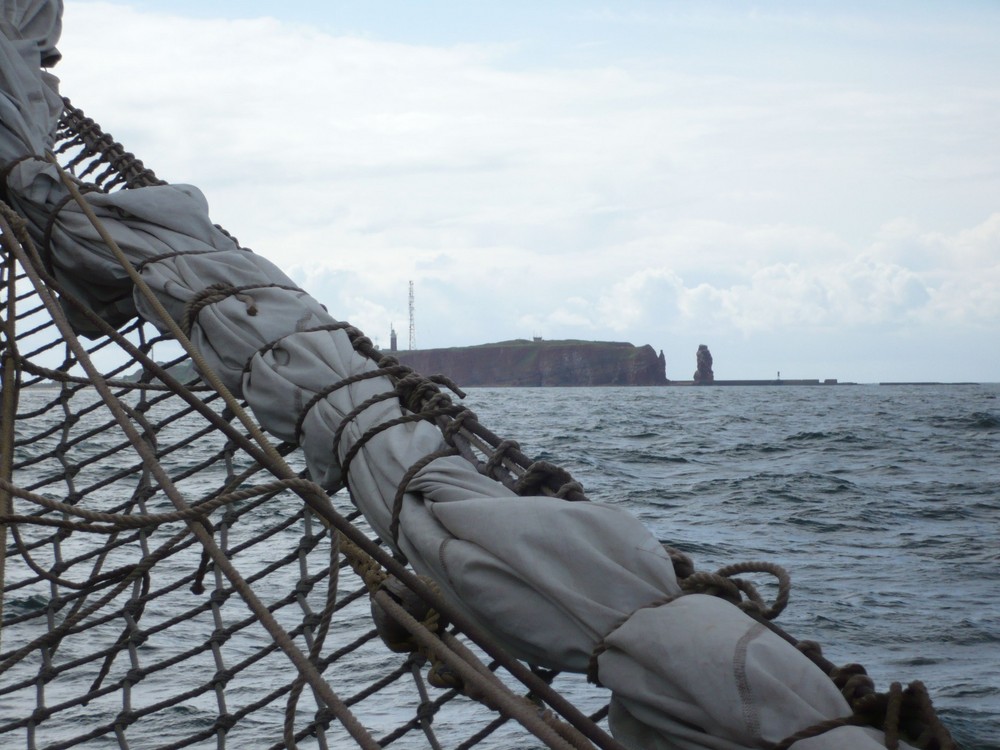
x: 805, y: 187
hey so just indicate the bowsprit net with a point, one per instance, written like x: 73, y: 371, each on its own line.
x: 172, y: 577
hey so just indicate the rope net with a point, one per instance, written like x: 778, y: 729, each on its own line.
x: 121, y: 630
x: 171, y: 579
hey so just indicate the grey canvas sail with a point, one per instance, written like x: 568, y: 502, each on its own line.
x: 567, y: 585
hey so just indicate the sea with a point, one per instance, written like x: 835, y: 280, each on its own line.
x: 881, y: 501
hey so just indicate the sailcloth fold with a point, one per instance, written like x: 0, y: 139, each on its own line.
x: 550, y: 580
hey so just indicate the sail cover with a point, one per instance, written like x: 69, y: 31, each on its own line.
x: 559, y: 584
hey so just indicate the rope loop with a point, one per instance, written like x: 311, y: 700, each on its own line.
x: 721, y: 583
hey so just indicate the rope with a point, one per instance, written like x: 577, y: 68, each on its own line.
x: 8, y: 384
x: 416, y: 468
x: 900, y: 713
x: 219, y: 559
x: 120, y: 597
x: 143, y: 523
x: 722, y: 584
x: 554, y: 699
x: 215, y: 293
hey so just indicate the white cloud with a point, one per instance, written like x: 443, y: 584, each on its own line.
x: 638, y: 197
x: 643, y: 298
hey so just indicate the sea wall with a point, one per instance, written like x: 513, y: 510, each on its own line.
x: 542, y: 363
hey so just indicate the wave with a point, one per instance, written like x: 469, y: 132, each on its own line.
x: 977, y: 420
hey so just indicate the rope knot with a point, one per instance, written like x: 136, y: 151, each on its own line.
x: 414, y: 390
x: 125, y: 718
x: 225, y: 722
x: 544, y: 475
x: 222, y: 677
x: 500, y: 453
x: 898, y: 713
x: 395, y: 636
x: 683, y: 564
x: 426, y: 711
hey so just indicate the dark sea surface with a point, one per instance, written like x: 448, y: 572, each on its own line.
x: 882, y: 502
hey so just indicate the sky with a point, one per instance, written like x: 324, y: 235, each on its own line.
x: 806, y: 188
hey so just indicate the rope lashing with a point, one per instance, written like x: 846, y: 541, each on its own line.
x: 720, y: 584
x: 395, y: 636
x: 397, y: 501
x: 682, y: 562
x: 393, y: 633
x: 75, y: 128
x: 321, y: 394
x: 376, y: 579
x: 215, y: 293
x: 542, y: 474
x: 602, y: 646
x: 900, y: 713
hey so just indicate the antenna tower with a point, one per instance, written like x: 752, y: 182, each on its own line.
x: 413, y: 330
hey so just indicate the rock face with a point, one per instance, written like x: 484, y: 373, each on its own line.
x: 704, y: 375
x: 541, y: 363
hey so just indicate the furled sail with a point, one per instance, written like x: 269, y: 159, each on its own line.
x: 573, y: 586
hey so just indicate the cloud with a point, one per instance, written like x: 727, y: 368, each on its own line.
x: 641, y: 195
x: 644, y: 298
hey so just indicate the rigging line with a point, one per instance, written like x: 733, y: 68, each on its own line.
x: 319, y: 502
x: 510, y: 704
x: 9, y: 396
x: 265, y: 617
x: 173, y: 326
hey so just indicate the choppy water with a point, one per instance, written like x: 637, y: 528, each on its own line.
x: 883, y: 502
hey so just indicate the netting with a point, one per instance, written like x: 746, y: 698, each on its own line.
x: 126, y: 619
x: 171, y: 578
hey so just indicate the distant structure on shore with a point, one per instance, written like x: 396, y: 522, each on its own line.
x: 704, y: 375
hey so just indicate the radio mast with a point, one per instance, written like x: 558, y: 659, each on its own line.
x: 413, y: 330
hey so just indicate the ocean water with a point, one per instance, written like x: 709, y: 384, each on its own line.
x: 882, y: 502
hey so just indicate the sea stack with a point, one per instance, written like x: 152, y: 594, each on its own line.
x: 704, y: 375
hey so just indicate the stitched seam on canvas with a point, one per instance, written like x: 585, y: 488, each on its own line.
x: 750, y: 716
x: 443, y: 562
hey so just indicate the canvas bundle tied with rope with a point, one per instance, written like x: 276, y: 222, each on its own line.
x: 280, y: 535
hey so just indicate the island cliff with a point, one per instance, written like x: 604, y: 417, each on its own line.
x: 542, y: 363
